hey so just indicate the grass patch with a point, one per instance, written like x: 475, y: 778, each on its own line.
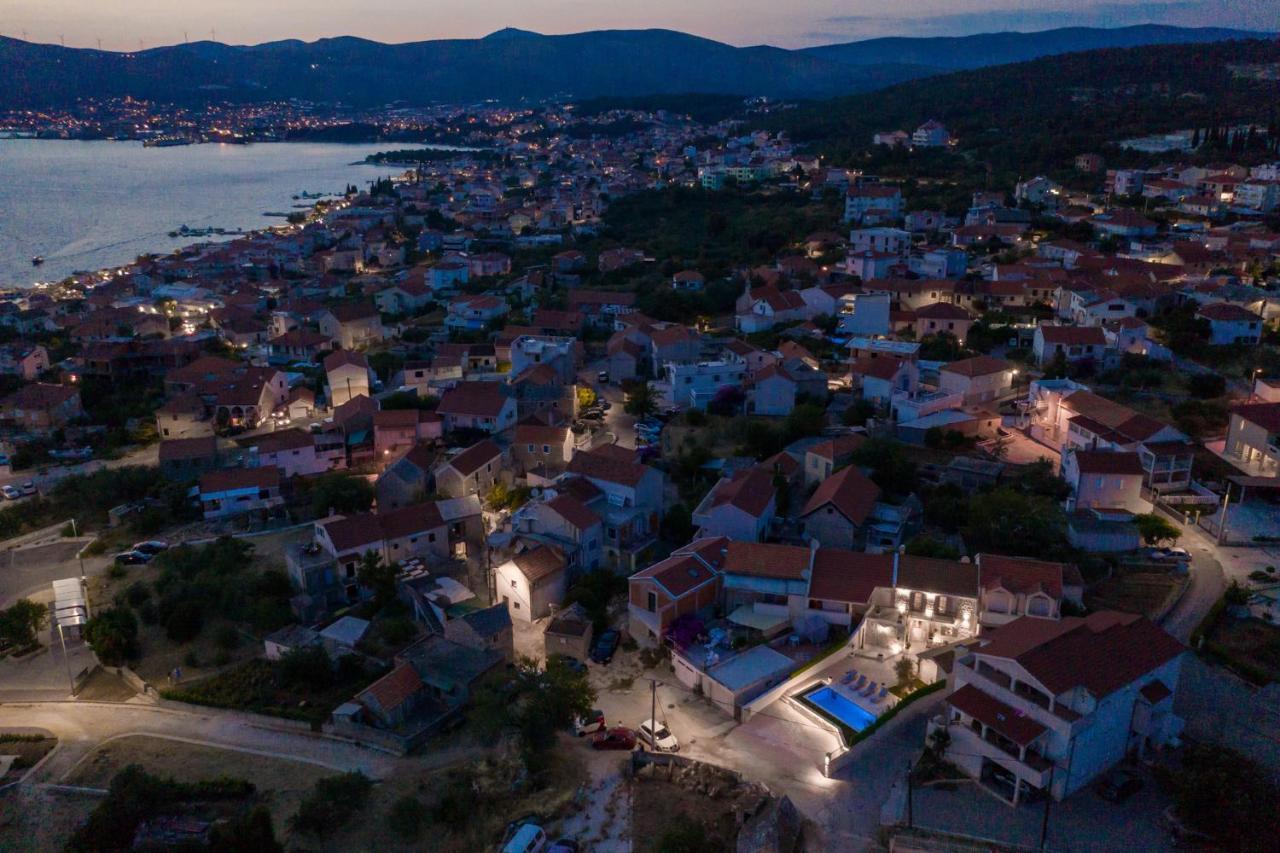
x: 1142, y: 592
x: 1251, y: 647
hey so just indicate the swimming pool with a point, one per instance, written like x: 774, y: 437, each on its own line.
x: 842, y: 708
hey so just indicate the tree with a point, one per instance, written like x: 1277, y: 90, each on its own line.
x: 586, y: 396
x: 250, y: 833
x: 890, y: 468
x: 677, y: 524
x: 113, y: 636
x: 333, y: 802
x: 924, y: 546
x: 20, y: 623
x: 536, y: 704
x: 642, y: 399
x: 1156, y: 528
x: 1008, y: 522
x: 341, y: 493
x: 905, y: 670
x: 379, y: 577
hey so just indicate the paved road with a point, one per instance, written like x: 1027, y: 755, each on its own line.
x: 81, y: 727
x: 1207, y: 585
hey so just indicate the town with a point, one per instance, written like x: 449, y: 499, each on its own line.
x: 846, y: 518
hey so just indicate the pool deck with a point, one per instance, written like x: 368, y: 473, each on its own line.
x: 879, y: 671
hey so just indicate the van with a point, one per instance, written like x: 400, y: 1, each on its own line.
x: 529, y: 838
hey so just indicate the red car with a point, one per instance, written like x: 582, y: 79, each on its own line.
x: 615, y: 738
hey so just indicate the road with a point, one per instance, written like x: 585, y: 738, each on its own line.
x: 1208, y: 582
x: 81, y: 727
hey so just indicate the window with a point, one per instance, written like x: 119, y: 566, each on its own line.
x: 513, y: 585
x: 546, y: 448
x: 531, y: 448
x: 652, y: 602
x: 431, y: 537
x: 942, y: 605
x: 917, y: 601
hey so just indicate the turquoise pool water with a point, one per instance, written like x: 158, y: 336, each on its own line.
x: 845, y: 710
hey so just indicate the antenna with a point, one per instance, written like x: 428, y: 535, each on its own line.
x: 62, y: 39
x: 99, y: 43
x: 213, y: 34
x: 139, y: 44
x: 184, y: 36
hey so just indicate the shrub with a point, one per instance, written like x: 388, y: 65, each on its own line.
x: 137, y: 593
x: 184, y: 621
x: 226, y: 637
x: 407, y: 816
x: 333, y: 802
x: 113, y: 636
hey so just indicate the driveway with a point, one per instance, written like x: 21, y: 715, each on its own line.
x: 777, y: 746
x: 1207, y: 585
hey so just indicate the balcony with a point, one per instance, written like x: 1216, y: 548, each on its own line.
x: 1034, y: 769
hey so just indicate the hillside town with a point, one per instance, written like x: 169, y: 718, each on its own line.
x: 1005, y: 481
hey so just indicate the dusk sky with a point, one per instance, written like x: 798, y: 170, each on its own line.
x: 120, y: 24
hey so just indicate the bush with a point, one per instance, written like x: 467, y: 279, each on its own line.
x: 1207, y: 385
x: 137, y: 593
x: 332, y: 803
x: 227, y: 637
x: 685, y: 835
x: 20, y: 623
x: 407, y: 816
x: 310, y: 667
x: 184, y: 621
x: 113, y: 636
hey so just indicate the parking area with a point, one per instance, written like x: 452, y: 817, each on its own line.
x: 1082, y: 822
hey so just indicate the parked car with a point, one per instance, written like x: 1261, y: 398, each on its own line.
x: 658, y: 737
x: 592, y: 415
x: 605, y: 645
x: 528, y: 838
x: 1118, y: 785
x: 593, y: 722
x: 615, y: 738
x: 72, y: 453
x: 10, y: 493
x: 604, y: 404
x: 28, y: 488
x: 602, y: 376
x: 570, y: 663
x: 132, y: 558
x: 151, y: 546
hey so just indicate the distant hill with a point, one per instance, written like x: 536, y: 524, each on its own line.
x: 513, y: 64
x: 1035, y: 116
x: 507, y: 65
x: 986, y: 49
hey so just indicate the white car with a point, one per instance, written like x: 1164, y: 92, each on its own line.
x: 528, y: 838
x: 10, y: 493
x: 658, y: 737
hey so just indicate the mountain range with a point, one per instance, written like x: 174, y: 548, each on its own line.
x: 510, y: 65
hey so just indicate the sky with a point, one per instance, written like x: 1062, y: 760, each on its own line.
x: 127, y: 24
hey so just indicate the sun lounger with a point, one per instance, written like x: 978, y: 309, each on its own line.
x: 848, y: 676
x: 871, y: 688
x: 879, y: 697
x: 859, y: 683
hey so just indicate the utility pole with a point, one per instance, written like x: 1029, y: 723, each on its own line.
x: 1048, y: 801
x: 910, y: 806
x: 653, y: 712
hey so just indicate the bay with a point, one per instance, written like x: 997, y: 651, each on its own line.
x: 91, y: 205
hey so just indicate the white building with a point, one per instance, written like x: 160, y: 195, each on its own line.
x: 694, y: 384
x: 1041, y: 705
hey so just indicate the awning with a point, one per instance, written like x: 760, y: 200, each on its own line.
x: 747, y: 617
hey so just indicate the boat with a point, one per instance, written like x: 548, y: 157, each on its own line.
x: 168, y: 141
x: 37, y: 260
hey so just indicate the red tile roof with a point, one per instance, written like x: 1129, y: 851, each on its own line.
x: 1021, y: 574
x: 476, y: 399
x: 469, y: 461
x: 849, y: 576
x: 603, y: 465
x: 1013, y: 724
x: 851, y: 492
x: 750, y: 491
x: 540, y: 563
x: 979, y: 365
x: 789, y: 562
x: 266, y: 477
x: 573, y: 511
x: 678, y: 574
x: 395, y: 688
x: 1101, y: 652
